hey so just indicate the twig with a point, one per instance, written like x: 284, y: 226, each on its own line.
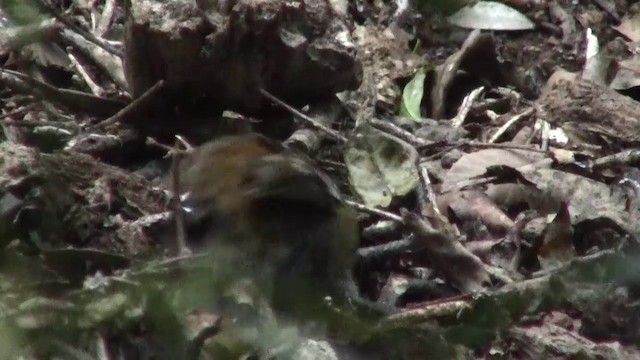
x: 105, y: 18
x: 421, y: 190
x: 110, y: 64
x: 440, y: 248
x: 73, y: 99
x: 19, y: 111
x: 544, y: 137
x: 188, y: 147
x: 373, y: 211
x: 38, y: 123
x: 380, y: 228
x: 531, y: 291
x: 101, y: 348
x: 622, y: 158
x: 510, y: 122
x: 501, y: 146
x: 87, y: 35
x: 330, y: 132
x: 181, y: 236
x: 170, y: 150
x: 95, y: 89
x: 138, y: 103
x: 446, y: 72
x: 387, y: 249
x: 178, y: 260
x: 426, y: 190
x: 465, y: 107
x: 398, y: 132
x: 324, y: 113
x: 609, y: 7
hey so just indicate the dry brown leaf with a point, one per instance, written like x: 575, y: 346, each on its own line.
x: 509, y: 196
x: 587, y: 199
x: 630, y: 27
x: 476, y: 164
x: 475, y: 205
x: 557, y: 246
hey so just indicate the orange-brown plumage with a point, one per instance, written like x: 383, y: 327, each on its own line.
x: 273, y: 207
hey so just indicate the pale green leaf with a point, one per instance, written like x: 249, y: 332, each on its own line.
x: 412, y: 96
x: 380, y: 166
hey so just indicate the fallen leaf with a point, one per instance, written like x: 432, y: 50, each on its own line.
x: 557, y: 245
x: 491, y: 15
x: 476, y: 164
x: 380, y: 166
x: 412, y: 97
x: 630, y: 27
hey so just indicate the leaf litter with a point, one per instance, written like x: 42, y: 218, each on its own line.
x: 489, y: 232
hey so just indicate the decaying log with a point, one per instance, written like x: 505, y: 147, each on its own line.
x: 224, y: 52
x: 592, y: 112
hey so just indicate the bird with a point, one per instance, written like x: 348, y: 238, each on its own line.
x: 272, y: 211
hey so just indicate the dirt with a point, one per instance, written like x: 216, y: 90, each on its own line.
x: 497, y: 202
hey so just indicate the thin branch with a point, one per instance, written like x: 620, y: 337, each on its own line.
x: 181, y: 236
x: 139, y: 102
x: 87, y: 35
x: 315, y: 124
x: 373, y: 211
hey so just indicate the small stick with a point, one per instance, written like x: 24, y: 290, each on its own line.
x: 371, y: 210
x: 181, y: 237
x: 45, y: 7
x: 137, y: 103
x: 465, y: 107
x: 398, y: 132
x: 170, y: 150
x: 95, y: 88
x: 315, y: 124
x: 503, y: 129
x: 425, y: 191
x: 105, y: 18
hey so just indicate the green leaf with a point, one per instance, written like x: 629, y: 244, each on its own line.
x: 412, y: 96
x: 491, y: 15
x: 20, y: 12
